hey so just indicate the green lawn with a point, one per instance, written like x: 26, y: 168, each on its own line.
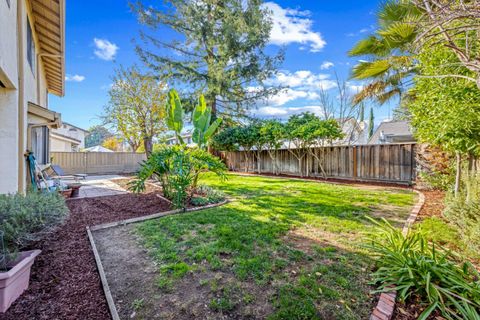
x: 281, y: 249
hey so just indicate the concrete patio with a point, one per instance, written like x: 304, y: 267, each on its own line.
x: 98, y: 186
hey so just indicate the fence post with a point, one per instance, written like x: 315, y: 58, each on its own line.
x: 354, y: 162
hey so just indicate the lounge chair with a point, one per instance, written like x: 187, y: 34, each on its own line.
x: 59, y: 173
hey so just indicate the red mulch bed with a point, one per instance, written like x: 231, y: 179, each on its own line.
x: 65, y: 283
x: 434, y: 205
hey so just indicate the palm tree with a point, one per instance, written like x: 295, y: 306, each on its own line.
x: 389, y: 63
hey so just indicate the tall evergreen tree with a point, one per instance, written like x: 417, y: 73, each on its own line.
x: 219, y: 50
x: 371, y: 123
x: 362, y: 112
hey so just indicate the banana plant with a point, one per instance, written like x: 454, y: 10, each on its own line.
x: 201, y: 117
x: 175, y: 114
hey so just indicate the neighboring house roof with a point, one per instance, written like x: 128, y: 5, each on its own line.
x: 183, y: 135
x: 392, y: 132
x: 64, y: 137
x: 49, y: 25
x: 74, y: 126
x: 97, y: 149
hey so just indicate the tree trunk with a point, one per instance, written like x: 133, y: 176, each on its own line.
x: 246, y: 160
x: 300, y: 166
x: 307, y: 169
x: 458, y: 174
x: 148, y: 145
x: 258, y: 161
x: 133, y: 145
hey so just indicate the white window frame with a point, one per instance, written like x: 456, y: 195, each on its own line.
x: 40, y: 144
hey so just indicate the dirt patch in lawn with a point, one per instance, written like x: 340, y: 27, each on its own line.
x: 200, y: 294
x: 64, y: 282
x: 205, y: 293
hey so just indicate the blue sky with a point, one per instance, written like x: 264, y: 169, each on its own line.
x: 316, y: 35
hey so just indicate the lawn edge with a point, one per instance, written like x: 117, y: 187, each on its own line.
x: 386, y: 303
x: 103, y: 279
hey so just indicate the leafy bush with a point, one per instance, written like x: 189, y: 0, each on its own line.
x: 417, y: 268
x: 465, y: 216
x: 27, y: 218
x: 207, y: 195
x: 178, y: 169
x: 437, y: 180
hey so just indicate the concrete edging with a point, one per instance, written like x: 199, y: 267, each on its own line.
x: 98, y: 261
x: 386, y: 303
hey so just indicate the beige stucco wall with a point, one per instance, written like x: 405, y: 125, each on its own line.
x: 73, y: 132
x: 14, y: 120
x: 58, y: 145
x: 8, y: 99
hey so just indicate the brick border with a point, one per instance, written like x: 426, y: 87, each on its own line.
x: 386, y: 303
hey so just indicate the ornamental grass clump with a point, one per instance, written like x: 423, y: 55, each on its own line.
x: 27, y: 218
x: 412, y: 266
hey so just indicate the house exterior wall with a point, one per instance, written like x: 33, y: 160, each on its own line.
x: 58, y: 145
x: 9, y: 124
x: 22, y: 85
x: 69, y: 131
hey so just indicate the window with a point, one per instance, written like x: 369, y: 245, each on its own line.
x: 30, y: 47
x: 40, y: 144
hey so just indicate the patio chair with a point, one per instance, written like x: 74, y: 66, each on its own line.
x: 59, y: 173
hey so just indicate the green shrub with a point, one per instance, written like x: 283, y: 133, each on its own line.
x: 465, y: 217
x: 418, y: 268
x: 207, y: 195
x: 177, y: 168
x: 27, y: 218
x: 438, y: 180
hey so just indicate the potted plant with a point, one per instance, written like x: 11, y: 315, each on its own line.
x: 24, y: 219
x: 14, y: 274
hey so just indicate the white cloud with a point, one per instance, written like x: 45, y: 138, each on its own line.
x: 105, y: 49
x: 326, y: 65
x: 300, y: 85
x: 284, y: 112
x: 303, y: 79
x: 361, y: 31
x: 288, y: 95
x: 355, y: 87
x: 293, y: 26
x: 74, y: 78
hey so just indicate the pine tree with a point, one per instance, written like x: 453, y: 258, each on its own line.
x: 219, y: 50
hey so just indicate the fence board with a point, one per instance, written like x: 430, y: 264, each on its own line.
x: 383, y: 163
x: 98, y: 162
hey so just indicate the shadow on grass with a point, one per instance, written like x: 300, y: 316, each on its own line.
x: 294, y: 244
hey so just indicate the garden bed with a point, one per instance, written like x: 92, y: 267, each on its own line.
x: 65, y: 283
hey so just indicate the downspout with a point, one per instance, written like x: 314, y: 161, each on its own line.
x: 21, y: 105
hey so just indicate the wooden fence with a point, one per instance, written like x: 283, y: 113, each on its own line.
x: 98, y: 162
x: 392, y: 163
